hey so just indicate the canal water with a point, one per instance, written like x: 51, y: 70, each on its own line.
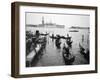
x: 52, y: 56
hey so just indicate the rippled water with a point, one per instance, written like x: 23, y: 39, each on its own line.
x: 52, y: 56
x: 76, y: 36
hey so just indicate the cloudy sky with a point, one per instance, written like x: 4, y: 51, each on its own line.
x: 62, y: 19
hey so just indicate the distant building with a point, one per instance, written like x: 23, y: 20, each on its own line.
x: 47, y: 25
x: 77, y: 27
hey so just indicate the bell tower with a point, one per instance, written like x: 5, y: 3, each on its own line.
x: 43, y: 20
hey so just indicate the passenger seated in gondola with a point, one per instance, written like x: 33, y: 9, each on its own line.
x: 66, y: 50
x: 37, y: 34
x: 69, y: 41
x: 68, y: 57
x: 68, y: 38
x: 52, y: 37
x: 58, y: 38
x: 58, y: 41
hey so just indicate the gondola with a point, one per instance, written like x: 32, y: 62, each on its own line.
x: 69, y: 43
x: 57, y: 43
x: 68, y: 57
x: 84, y: 52
x: 53, y: 37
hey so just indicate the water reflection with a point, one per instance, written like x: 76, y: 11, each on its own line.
x: 49, y: 49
